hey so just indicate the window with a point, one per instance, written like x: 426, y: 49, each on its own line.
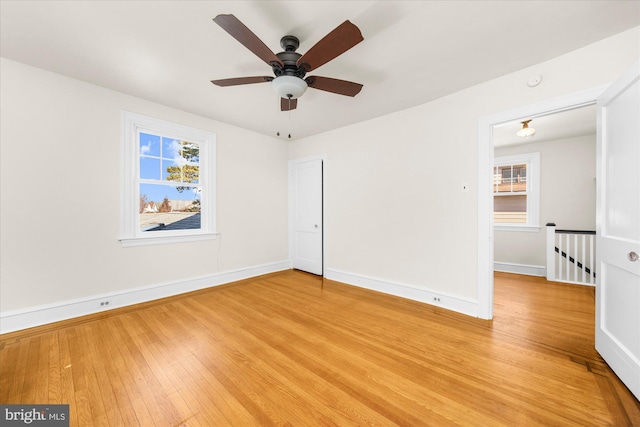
x: 168, y: 185
x: 516, y: 192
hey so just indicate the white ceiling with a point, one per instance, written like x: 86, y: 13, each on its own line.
x: 551, y: 127
x: 413, y: 51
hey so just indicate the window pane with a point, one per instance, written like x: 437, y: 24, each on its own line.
x: 170, y: 147
x: 503, y: 179
x: 171, y: 171
x: 165, y: 207
x: 190, y: 152
x: 506, y: 174
x: 510, y: 209
x: 510, y: 179
x: 519, y: 178
x: 149, y: 145
x: 181, y: 161
x: 149, y: 168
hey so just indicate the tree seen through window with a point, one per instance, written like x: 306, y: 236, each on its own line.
x: 170, y: 190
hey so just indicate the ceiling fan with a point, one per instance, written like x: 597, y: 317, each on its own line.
x: 290, y: 67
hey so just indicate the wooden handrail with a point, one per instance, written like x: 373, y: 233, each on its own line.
x: 575, y: 232
x: 551, y: 224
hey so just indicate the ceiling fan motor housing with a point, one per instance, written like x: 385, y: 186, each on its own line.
x: 289, y: 59
x: 289, y: 43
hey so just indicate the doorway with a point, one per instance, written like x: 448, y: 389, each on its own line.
x: 546, y: 177
x: 486, y: 127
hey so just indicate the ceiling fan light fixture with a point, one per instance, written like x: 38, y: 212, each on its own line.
x: 289, y: 86
x: 526, y: 130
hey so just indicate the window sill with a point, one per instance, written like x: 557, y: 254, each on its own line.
x: 160, y: 240
x: 517, y: 227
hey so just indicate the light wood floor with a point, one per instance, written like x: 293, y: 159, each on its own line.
x: 294, y: 349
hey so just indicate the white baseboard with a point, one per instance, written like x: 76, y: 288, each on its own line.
x: 16, y: 320
x: 528, y: 270
x: 460, y: 305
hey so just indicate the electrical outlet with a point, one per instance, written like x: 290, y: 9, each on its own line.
x: 105, y: 303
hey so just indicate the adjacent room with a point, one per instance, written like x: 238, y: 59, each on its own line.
x: 320, y: 213
x: 564, y: 191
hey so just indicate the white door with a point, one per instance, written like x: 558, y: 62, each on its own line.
x: 306, y: 191
x: 618, y: 229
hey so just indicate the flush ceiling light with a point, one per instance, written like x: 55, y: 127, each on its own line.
x: 289, y: 87
x: 526, y: 130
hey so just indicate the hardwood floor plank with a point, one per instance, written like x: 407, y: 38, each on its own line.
x: 295, y: 349
x: 54, y: 371
x: 67, y: 392
x: 98, y: 385
x: 103, y: 377
x: 31, y: 373
x: 11, y: 370
x: 41, y: 391
x: 79, y: 366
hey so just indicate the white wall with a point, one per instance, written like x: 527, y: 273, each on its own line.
x: 60, y: 196
x: 395, y: 211
x: 567, y: 196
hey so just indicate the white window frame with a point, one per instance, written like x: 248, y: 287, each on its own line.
x: 532, y: 160
x: 130, y: 233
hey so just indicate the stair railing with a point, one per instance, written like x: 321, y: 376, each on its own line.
x: 571, y: 256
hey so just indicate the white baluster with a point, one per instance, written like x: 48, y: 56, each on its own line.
x: 584, y: 259
x: 560, y: 263
x: 575, y: 257
x: 568, y: 272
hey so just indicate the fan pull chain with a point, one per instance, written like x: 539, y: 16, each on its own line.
x: 289, y: 97
x: 289, y: 116
x: 277, y: 112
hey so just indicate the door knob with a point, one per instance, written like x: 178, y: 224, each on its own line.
x: 633, y: 256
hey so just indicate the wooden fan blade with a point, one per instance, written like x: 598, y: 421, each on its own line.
x: 341, y: 39
x: 341, y: 87
x: 244, y: 35
x: 287, y: 104
x: 242, y: 81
